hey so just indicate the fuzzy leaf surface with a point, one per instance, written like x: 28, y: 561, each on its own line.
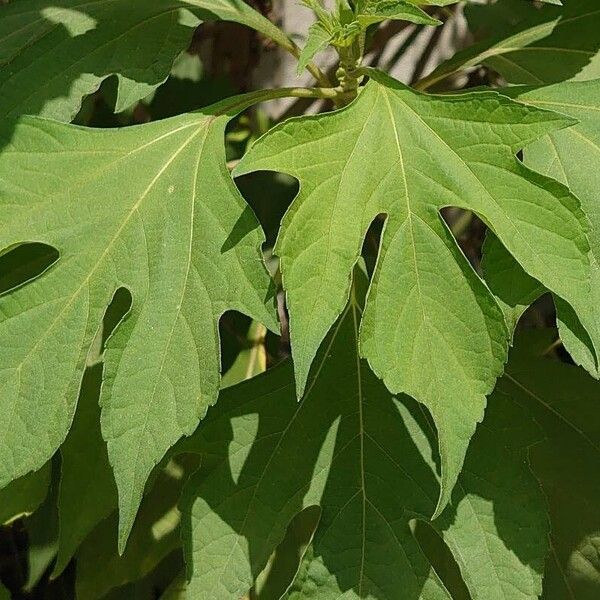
x: 54, y: 53
x: 151, y: 209
x: 407, y: 155
x: 368, y: 461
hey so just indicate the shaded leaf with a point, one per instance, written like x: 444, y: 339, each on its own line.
x: 154, y: 536
x: 426, y: 305
x: 513, y: 288
x: 556, y: 44
x: 42, y: 533
x: 564, y: 401
x: 23, y: 496
x: 55, y: 53
x: 368, y: 461
x: 87, y: 487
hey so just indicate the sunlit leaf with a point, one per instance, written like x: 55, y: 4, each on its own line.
x: 368, y: 461
x: 151, y: 209
x: 431, y: 328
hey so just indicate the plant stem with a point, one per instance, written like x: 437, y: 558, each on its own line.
x: 239, y: 103
x: 285, y: 42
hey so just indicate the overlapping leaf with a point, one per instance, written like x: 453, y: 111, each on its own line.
x: 53, y: 53
x: 555, y: 44
x: 154, y: 537
x: 24, y: 495
x: 571, y: 156
x: 368, y: 461
x: 151, y: 209
x: 564, y: 401
x: 431, y: 328
x: 87, y: 492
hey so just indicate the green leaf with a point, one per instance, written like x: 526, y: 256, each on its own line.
x: 151, y: 584
x: 368, y: 461
x: 431, y: 328
x: 318, y: 39
x: 87, y: 488
x: 376, y: 12
x: 53, y: 54
x: 42, y: 533
x: 154, y: 536
x: 515, y: 291
x: 572, y: 156
x: 24, y: 495
x: 251, y: 360
x: 564, y: 401
x: 151, y: 209
x: 555, y: 44
x: 4, y: 593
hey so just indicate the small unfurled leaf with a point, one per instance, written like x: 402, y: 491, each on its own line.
x: 151, y: 209
x: 53, y: 54
x: 431, y: 328
x: 368, y: 460
x: 555, y: 44
x: 564, y: 402
x: 318, y: 39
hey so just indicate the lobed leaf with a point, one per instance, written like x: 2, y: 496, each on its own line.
x: 553, y: 45
x: 368, y: 461
x: 53, y: 54
x: 431, y: 328
x: 572, y: 156
x: 564, y: 402
x: 151, y: 209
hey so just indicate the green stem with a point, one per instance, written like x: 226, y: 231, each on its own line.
x: 239, y: 103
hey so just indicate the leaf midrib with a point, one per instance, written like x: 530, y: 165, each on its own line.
x: 100, y: 260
